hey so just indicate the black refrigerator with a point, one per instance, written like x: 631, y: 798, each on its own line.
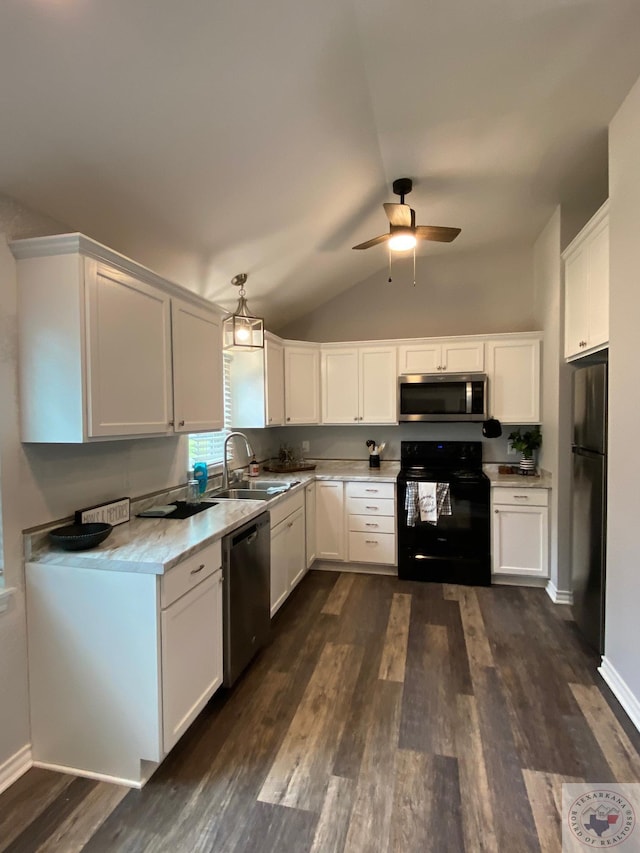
x: 589, y: 501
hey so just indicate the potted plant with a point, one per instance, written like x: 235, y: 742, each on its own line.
x: 527, y: 443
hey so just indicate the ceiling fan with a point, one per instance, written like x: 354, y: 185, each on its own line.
x: 403, y: 231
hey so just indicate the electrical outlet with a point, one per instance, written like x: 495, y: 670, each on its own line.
x: 511, y: 451
x: 305, y: 446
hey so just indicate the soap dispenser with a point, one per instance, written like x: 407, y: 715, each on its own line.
x: 254, y: 468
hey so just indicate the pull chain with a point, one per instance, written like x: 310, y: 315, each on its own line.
x: 414, y: 266
x: 389, y: 280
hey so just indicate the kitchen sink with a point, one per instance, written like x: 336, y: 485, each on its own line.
x: 252, y: 494
x: 275, y: 485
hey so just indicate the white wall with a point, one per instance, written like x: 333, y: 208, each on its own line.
x: 458, y: 294
x: 555, y: 455
x: 349, y: 442
x: 622, y: 632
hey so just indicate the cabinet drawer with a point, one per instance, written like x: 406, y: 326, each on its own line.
x: 371, y: 490
x: 372, y: 548
x: 521, y: 497
x: 366, y: 524
x: 189, y: 573
x: 285, y: 507
x: 371, y: 506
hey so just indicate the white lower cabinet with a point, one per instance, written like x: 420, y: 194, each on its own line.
x: 310, y: 521
x: 330, y: 544
x: 120, y: 663
x: 191, y: 656
x: 520, y: 535
x: 371, y: 511
x: 288, y: 547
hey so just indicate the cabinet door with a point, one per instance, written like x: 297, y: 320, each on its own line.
x: 419, y: 357
x: 191, y: 655
x: 520, y: 540
x: 279, y: 565
x: 463, y: 357
x: 340, y: 386
x: 330, y: 544
x: 296, y: 547
x: 598, y: 254
x: 128, y: 355
x: 310, y: 522
x: 301, y: 385
x: 378, y: 385
x: 514, y: 381
x: 274, y: 373
x: 197, y: 368
x: 576, y: 304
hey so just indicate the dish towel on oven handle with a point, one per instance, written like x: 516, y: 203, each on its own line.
x: 411, y: 504
x: 434, y: 500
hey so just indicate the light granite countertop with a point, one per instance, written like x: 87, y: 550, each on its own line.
x: 542, y: 480
x: 155, y: 545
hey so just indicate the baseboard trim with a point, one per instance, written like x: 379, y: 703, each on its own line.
x: 356, y: 568
x: 621, y: 691
x: 517, y: 580
x: 559, y: 596
x: 101, y: 777
x: 14, y: 767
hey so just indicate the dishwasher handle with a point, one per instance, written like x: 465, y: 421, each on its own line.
x: 247, y: 534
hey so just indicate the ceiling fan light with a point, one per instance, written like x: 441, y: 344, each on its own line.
x: 402, y: 240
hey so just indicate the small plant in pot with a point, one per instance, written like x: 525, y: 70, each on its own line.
x: 527, y: 443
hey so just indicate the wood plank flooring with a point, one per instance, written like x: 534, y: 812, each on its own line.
x: 384, y: 716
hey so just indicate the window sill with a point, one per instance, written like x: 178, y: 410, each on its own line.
x: 6, y: 597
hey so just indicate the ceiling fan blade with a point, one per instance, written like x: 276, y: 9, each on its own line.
x: 437, y: 232
x: 374, y: 242
x: 398, y: 214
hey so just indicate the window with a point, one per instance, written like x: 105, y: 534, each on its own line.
x: 209, y: 446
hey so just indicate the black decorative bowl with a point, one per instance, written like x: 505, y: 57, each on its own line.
x: 79, y: 537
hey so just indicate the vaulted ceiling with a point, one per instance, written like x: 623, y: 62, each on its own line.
x: 207, y: 138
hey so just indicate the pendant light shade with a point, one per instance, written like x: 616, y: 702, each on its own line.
x: 240, y: 330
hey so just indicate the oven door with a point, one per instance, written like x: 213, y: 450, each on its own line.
x: 454, y: 550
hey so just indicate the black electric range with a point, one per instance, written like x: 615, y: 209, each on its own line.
x: 443, y: 513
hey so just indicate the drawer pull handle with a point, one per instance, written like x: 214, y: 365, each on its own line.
x: 371, y: 524
x: 372, y: 507
x: 521, y: 497
x: 199, y: 569
x: 371, y: 541
x: 374, y: 491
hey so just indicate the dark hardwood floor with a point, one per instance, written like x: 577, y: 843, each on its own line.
x: 383, y: 716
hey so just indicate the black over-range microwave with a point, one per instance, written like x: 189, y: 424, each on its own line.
x: 442, y: 397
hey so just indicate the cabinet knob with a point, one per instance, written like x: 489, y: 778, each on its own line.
x: 288, y: 419
x: 181, y: 423
x: 496, y: 511
x: 356, y: 418
x: 171, y: 423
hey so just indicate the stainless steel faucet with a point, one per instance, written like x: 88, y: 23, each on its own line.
x: 225, y: 464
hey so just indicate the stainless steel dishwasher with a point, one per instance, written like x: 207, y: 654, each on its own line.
x: 246, y: 573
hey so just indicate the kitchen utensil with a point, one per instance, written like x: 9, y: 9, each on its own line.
x: 80, y: 537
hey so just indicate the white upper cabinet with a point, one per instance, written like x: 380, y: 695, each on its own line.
x: 451, y: 356
x: 197, y: 368
x: 274, y: 370
x: 301, y: 383
x: 359, y: 385
x: 513, y: 371
x: 586, y: 287
x: 257, y: 386
x: 99, y: 356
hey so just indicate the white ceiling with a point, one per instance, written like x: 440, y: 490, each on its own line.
x: 263, y: 137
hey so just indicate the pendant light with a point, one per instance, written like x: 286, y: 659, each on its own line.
x: 240, y: 330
